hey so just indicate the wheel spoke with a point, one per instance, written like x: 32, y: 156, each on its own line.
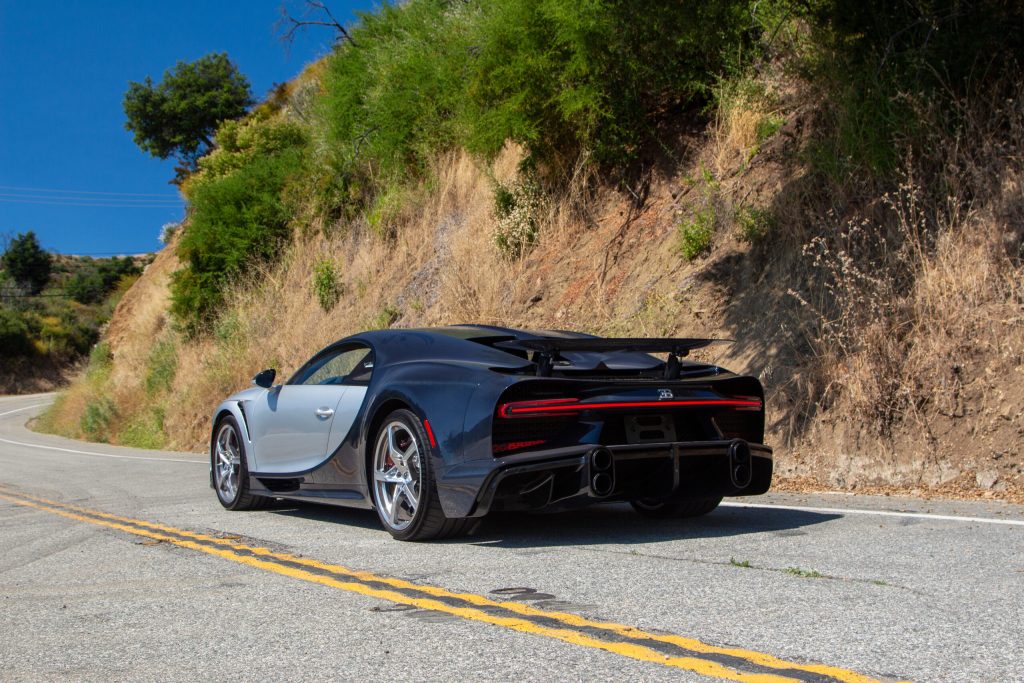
x: 392, y: 476
x: 393, y: 512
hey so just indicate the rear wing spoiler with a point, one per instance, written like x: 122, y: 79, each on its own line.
x: 547, y: 349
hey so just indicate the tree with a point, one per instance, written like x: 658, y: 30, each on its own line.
x: 26, y: 263
x: 179, y: 115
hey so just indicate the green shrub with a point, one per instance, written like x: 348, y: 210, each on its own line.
x: 385, y: 319
x: 753, y: 223
x: 96, y: 419
x: 15, y: 338
x: 695, y: 235
x: 241, y: 141
x: 145, y: 430
x: 517, y: 209
x: 386, y: 208
x: 326, y: 287
x: 100, y: 357
x: 161, y: 366
x: 237, y: 221
x: 881, y: 63
x: 557, y: 76
x: 95, y: 282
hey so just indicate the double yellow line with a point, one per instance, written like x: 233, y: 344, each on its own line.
x: 724, y: 663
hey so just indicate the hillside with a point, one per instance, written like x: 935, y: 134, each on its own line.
x: 45, y: 336
x: 868, y: 269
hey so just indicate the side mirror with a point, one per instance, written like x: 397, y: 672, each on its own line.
x: 265, y: 379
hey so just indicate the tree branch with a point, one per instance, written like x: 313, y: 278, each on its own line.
x: 327, y: 19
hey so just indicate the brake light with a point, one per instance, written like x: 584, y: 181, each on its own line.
x: 568, y: 406
x: 540, y: 407
x: 515, y: 445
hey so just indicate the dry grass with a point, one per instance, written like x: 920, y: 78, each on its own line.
x: 906, y: 349
x: 920, y: 336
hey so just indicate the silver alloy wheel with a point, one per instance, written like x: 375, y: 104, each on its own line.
x: 229, y: 462
x: 397, y: 475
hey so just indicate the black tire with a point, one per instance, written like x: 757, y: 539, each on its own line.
x: 240, y: 498
x: 428, y: 522
x: 664, y: 508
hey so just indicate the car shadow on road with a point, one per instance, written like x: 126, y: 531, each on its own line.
x: 615, y: 523
x: 331, y: 514
x: 618, y: 524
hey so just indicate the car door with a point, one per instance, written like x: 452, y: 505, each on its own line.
x: 291, y: 423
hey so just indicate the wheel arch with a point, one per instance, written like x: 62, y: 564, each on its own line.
x: 235, y: 410
x: 380, y: 412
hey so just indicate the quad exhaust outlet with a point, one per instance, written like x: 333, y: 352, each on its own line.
x: 601, y: 467
x: 740, y: 467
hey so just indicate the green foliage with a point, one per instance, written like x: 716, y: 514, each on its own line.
x: 325, y: 284
x: 161, y: 366
x: 238, y: 220
x: 178, y: 115
x: 240, y: 142
x: 385, y: 319
x: 745, y: 564
x: 95, y: 282
x: 26, y: 263
x: 754, y: 224
x: 95, y: 422
x: 556, y: 76
x: 100, y: 359
x: 386, y: 208
x: 145, y: 430
x: 695, y: 235
x: 878, y: 62
x: 15, y: 339
x: 517, y: 208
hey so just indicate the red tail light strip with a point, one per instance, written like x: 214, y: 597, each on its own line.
x: 564, y: 406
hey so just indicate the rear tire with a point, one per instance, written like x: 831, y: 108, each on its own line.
x: 402, y: 480
x: 664, y: 508
x: 230, y: 471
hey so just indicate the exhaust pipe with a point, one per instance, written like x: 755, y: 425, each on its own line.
x: 601, y: 468
x: 741, y: 469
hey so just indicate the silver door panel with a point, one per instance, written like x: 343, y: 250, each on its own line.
x: 291, y: 426
x: 345, y: 416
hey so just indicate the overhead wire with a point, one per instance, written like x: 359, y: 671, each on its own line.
x: 56, y: 191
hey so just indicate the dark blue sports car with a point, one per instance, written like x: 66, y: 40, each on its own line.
x: 434, y: 428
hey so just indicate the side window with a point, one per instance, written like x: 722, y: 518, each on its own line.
x: 336, y: 366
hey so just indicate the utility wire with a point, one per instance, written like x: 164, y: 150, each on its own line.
x: 56, y: 191
x: 81, y: 203
x: 20, y: 195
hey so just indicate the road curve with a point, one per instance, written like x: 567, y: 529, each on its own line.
x: 119, y: 564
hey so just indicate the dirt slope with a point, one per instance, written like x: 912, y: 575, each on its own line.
x: 616, y: 269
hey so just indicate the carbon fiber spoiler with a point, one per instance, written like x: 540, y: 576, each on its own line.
x: 553, y: 345
x: 547, y: 349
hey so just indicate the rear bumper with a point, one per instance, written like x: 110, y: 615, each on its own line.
x: 565, y: 478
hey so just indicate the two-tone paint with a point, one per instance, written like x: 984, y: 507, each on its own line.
x: 456, y: 380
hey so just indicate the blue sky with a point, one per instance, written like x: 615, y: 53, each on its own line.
x: 68, y: 168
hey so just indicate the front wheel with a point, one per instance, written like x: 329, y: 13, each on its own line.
x: 230, y: 473
x: 404, y: 489
x: 662, y: 508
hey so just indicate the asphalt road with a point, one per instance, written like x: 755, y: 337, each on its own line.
x: 119, y: 564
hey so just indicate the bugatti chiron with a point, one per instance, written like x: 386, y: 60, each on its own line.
x: 434, y: 428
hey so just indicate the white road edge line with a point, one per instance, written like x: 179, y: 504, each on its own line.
x: 101, y: 455
x: 18, y: 410
x: 881, y: 513
x: 92, y: 453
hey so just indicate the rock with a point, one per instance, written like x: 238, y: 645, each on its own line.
x: 986, y: 479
